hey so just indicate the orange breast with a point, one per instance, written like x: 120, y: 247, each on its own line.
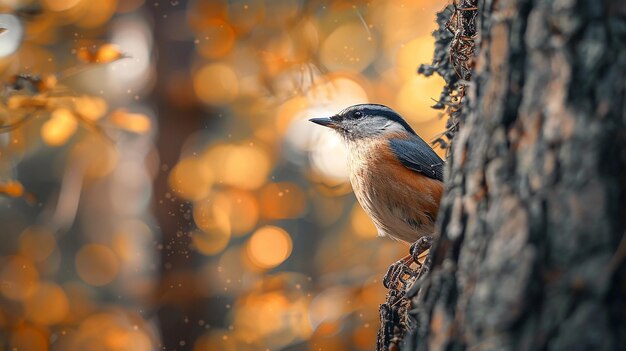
x: 402, y: 203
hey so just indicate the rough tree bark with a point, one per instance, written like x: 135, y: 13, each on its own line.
x: 532, y: 248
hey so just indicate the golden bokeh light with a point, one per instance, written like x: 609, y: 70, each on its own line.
x: 96, y: 156
x: 96, y: 13
x: 191, y: 178
x: 59, y: 128
x: 416, y: 97
x: 41, y: 29
x: 241, y: 208
x: 365, y: 336
x: 91, y: 108
x: 282, y: 11
x: 288, y: 111
x: 37, y: 243
x: 329, y: 157
x: 31, y: 338
x: 337, y: 92
x: 114, y: 330
x: 278, y: 53
x: 12, y: 188
x: 330, y: 305
x: 209, y: 217
x: 60, y: 5
x: 244, y: 166
x: 244, y: 15
x: 414, y: 53
x: 371, y: 292
x: 217, y: 39
x: 202, y: 13
x: 227, y: 274
x: 282, y: 200
x: 48, y: 305
x: 306, y: 39
x: 328, y: 336
x: 326, y: 209
x: 361, y: 224
x: 268, y: 247
x: 349, y: 48
x: 216, y: 84
x: 132, y: 122
x: 272, y: 319
x: 105, y: 53
x: 36, y: 56
x: 82, y: 301
x: 262, y: 314
x: 215, y: 231
x: 19, y: 278
x: 416, y: 17
x: 22, y: 101
x: 96, y: 264
x: 128, y: 240
x: 125, y: 6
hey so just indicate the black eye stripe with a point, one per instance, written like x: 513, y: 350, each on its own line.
x: 390, y: 115
x: 361, y: 110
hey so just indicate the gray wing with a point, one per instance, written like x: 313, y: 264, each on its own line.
x: 416, y: 155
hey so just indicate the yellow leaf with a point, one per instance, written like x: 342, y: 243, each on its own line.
x: 22, y: 101
x: 104, y: 54
x: 91, y: 108
x: 133, y: 122
x: 48, y: 82
x: 59, y: 128
x: 108, y: 53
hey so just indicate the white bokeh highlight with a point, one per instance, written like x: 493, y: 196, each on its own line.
x: 11, y: 38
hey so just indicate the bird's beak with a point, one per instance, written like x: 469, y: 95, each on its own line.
x: 325, y: 121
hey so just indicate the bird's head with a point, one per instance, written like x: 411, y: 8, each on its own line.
x: 365, y: 121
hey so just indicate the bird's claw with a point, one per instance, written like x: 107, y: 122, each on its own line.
x: 398, y: 272
x: 399, y: 278
x: 401, y: 271
x: 420, y: 246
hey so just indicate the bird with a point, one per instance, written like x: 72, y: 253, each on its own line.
x: 396, y: 176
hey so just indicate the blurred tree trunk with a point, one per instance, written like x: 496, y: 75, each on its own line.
x: 531, y: 255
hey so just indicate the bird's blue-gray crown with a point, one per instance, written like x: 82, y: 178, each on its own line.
x: 365, y: 120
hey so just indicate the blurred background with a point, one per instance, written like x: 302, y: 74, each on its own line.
x: 161, y: 188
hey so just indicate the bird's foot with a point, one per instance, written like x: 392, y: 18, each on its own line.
x: 399, y: 279
x: 420, y: 246
x: 419, y: 251
x: 399, y: 272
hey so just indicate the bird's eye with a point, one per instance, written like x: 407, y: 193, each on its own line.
x: 358, y: 114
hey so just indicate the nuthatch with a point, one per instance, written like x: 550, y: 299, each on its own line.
x: 396, y: 176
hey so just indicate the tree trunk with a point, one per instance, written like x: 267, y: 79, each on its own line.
x: 531, y: 251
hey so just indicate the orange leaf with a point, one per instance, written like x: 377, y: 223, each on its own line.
x: 91, y: 108
x: 133, y: 122
x: 12, y: 188
x: 59, y: 128
x: 106, y: 53
x: 22, y: 101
